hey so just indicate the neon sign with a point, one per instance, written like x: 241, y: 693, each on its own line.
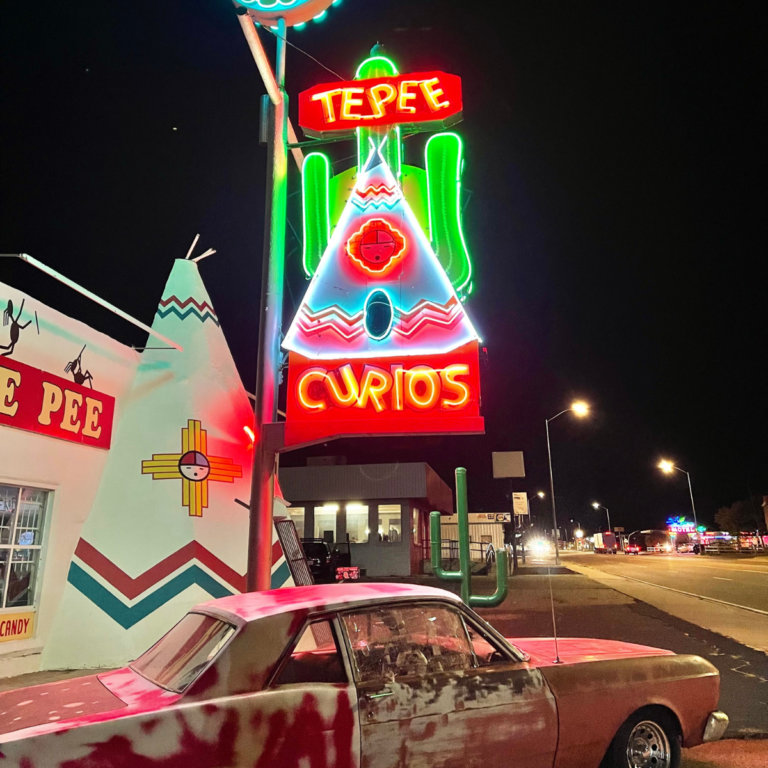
x: 421, y: 101
x: 381, y: 342
x: 680, y: 525
x: 295, y: 12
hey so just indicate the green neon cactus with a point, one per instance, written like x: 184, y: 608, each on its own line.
x: 464, y: 574
x: 437, y: 191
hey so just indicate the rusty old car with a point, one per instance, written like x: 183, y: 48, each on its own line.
x: 369, y: 676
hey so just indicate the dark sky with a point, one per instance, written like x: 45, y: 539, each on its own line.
x: 613, y: 158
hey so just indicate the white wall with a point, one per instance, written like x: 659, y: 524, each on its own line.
x: 70, y: 470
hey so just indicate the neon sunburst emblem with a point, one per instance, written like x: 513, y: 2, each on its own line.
x: 376, y: 247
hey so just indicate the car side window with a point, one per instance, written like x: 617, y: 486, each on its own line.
x: 486, y: 651
x: 396, y: 641
x: 315, y: 658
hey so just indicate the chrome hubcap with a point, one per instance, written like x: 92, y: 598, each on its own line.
x: 648, y: 747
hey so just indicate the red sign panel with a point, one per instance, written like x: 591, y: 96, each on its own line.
x: 431, y: 394
x: 37, y: 401
x: 419, y: 101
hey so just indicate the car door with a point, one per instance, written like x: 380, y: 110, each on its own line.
x: 426, y: 698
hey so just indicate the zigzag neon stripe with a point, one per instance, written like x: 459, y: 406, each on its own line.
x: 127, y: 616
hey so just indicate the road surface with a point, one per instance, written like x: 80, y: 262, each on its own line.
x: 742, y: 583
x: 723, y: 594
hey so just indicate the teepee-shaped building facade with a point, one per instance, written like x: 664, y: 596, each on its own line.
x: 165, y: 531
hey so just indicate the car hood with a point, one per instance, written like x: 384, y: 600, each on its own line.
x: 575, y: 650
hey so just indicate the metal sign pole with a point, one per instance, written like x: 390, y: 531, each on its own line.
x: 270, y: 322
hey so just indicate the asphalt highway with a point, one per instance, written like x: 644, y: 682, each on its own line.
x: 738, y: 582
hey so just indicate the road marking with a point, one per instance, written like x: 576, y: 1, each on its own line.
x: 683, y: 592
x: 720, y: 578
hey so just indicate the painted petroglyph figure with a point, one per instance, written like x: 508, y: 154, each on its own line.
x: 15, y: 329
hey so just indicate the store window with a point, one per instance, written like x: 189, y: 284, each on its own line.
x: 390, y: 523
x: 22, y: 515
x: 297, y: 515
x: 357, y: 523
x: 325, y: 522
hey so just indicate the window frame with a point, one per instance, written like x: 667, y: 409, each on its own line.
x: 341, y: 646
x: 42, y: 547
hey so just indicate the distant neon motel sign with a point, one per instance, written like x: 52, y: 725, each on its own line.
x: 422, y: 100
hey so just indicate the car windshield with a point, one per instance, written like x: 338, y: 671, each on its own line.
x: 316, y: 549
x: 177, y: 659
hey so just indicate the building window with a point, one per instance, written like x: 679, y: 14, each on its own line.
x: 297, y: 515
x: 357, y: 523
x: 22, y: 514
x: 390, y: 523
x: 416, y: 530
x: 325, y: 522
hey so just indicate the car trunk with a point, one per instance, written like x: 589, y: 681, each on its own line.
x: 49, y: 703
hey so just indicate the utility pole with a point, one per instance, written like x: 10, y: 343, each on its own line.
x: 259, y: 574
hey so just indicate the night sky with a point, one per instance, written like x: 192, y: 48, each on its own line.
x: 613, y: 214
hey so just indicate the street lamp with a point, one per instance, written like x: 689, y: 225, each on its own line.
x: 581, y: 409
x: 540, y: 494
x: 667, y: 467
x: 600, y: 506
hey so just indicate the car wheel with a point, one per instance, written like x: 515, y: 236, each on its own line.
x: 649, y: 739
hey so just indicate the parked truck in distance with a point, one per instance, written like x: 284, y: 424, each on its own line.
x: 605, y: 543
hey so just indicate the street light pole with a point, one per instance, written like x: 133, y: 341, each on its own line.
x: 580, y: 409
x: 608, y: 514
x: 693, y: 505
x: 667, y: 467
x: 552, y: 487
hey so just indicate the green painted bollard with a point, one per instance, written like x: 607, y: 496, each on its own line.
x: 464, y: 574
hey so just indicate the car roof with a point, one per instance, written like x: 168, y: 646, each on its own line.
x: 250, y: 606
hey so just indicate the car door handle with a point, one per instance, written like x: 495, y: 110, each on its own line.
x: 379, y: 694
